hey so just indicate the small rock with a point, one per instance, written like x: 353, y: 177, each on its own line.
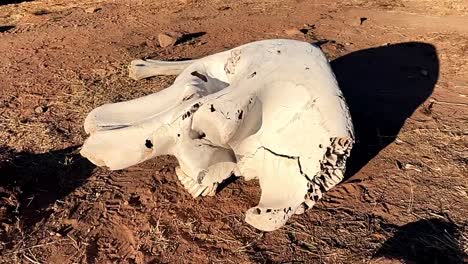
x: 40, y: 109
x: 92, y: 9
x: 293, y: 31
x: 362, y: 19
x: 411, y: 167
x: 424, y: 73
x: 169, y: 38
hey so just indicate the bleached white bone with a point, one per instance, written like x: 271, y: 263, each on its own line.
x: 270, y: 110
x: 140, y: 69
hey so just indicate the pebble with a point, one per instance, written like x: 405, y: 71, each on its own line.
x: 92, y: 9
x: 362, y: 19
x: 167, y: 39
x: 40, y: 109
x: 293, y: 31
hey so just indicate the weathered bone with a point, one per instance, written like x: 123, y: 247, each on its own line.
x: 270, y: 110
x: 141, y: 69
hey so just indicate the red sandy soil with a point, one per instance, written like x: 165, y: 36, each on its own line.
x: 402, y: 66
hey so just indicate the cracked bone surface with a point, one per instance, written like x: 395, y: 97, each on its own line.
x: 269, y: 110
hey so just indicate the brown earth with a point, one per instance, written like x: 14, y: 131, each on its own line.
x: 402, y: 65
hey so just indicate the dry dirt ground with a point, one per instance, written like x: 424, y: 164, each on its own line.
x: 402, y: 65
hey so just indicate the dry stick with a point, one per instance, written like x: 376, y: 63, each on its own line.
x: 35, y: 246
x: 74, y: 244
x: 228, y: 237
x: 410, y: 205
x: 436, y: 215
x: 242, y: 248
x: 32, y: 255
x: 31, y: 260
x: 447, y: 103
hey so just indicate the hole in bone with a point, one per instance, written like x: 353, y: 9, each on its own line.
x: 257, y: 211
x: 278, y: 51
x: 199, y: 75
x: 212, y: 109
x: 252, y: 75
x: 268, y: 210
x: 140, y: 65
x: 148, y: 143
x: 240, y: 114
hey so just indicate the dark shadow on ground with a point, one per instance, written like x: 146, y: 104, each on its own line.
x: 8, y: 2
x: 383, y: 87
x: 189, y: 37
x: 30, y: 183
x: 6, y: 28
x: 431, y: 241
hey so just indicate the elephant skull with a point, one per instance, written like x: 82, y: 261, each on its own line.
x: 269, y: 110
